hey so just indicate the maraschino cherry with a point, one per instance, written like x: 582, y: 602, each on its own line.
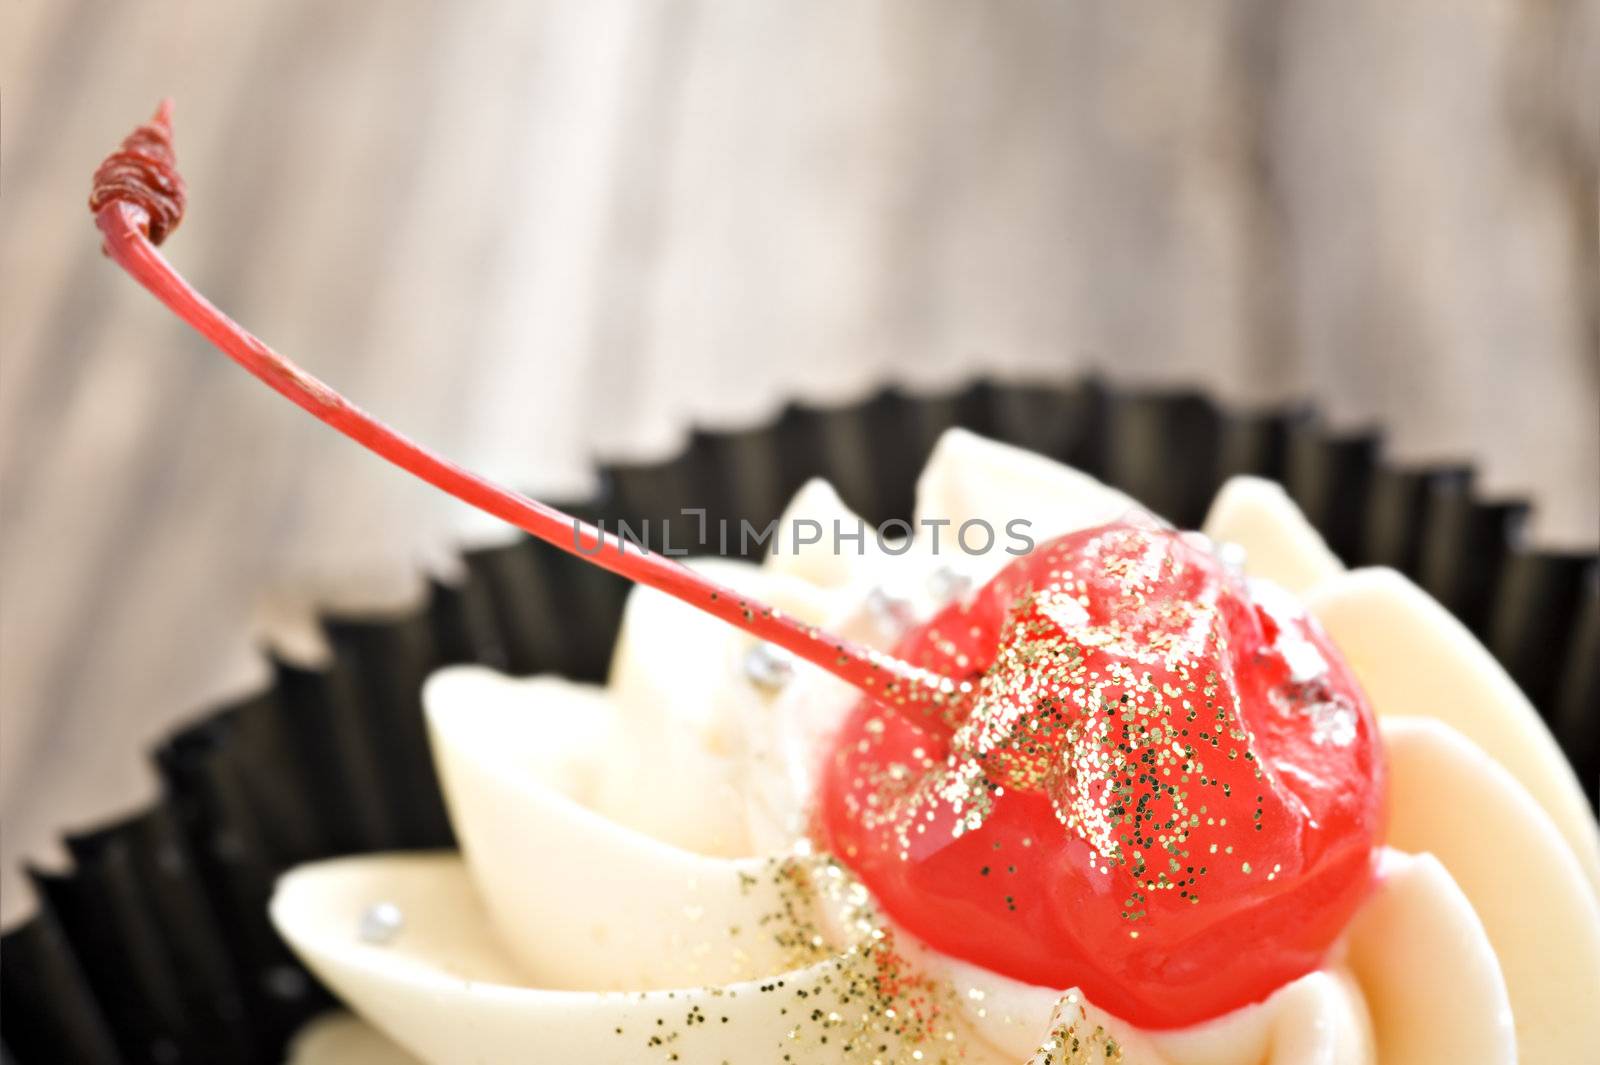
x: 1166, y: 791
x: 1117, y: 766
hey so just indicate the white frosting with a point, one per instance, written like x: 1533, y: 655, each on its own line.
x: 1278, y: 542
x: 1427, y: 971
x: 1540, y: 912
x: 681, y: 717
x: 618, y: 841
x: 449, y: 992
x: 636, y: 912
x: 968, y: 476
x: 1414, y: 658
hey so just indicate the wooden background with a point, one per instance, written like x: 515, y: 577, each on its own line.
x: 533, y: 232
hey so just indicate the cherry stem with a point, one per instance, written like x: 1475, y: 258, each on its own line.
x: 123, y: 206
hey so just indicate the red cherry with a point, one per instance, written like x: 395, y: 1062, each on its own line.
x: 1166, y: 792
x: 1086, y: 801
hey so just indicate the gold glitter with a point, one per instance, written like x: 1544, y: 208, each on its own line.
x: 864, y: 1002
x: 1072, y: 1041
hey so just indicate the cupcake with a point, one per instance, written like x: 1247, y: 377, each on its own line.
x: 640, y: 873
x: 1025, y: 775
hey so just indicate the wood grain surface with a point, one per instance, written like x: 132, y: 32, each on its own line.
x: 529, y: 233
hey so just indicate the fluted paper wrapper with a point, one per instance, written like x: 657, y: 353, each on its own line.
x: 156, y: 947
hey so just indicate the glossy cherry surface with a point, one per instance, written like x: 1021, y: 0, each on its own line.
x: 1166, y: 790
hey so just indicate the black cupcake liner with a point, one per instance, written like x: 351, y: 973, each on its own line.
x: 156, y: 948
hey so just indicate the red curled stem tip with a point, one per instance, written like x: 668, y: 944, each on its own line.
x: 144, y: 173
x: 138, y: 199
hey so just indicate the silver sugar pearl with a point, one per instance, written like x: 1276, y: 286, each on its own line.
x: 380, y: 923
x: 768, y: 666
x: 1231, y: 555
x: 890, y: 613
x: 947, y: 584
